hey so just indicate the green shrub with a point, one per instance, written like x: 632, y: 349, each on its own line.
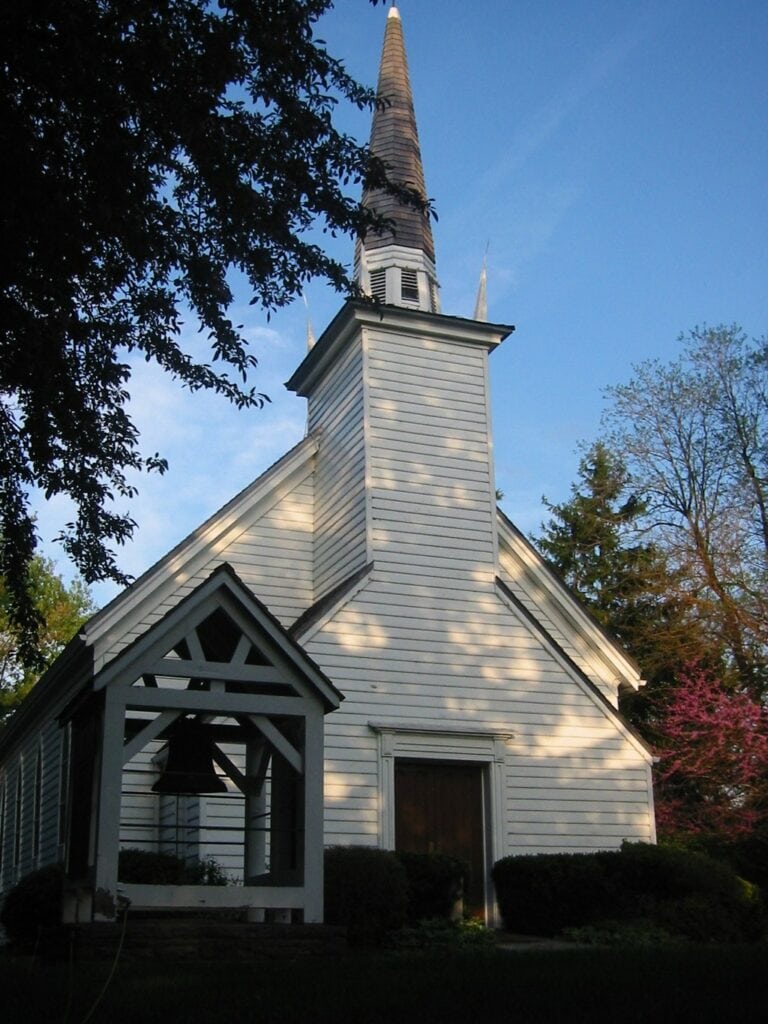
x: 366, y: 889
x: 33, y: 903
x: 635, y: 934
x: 747, y: 856
x: 146, y: 867
x: 435, y: 883
x: 684, y: 893
x: 544, y: 893
x: 442, y: 934
x: 206, y: 872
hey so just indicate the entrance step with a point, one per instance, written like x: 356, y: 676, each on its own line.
x: 179, y: 939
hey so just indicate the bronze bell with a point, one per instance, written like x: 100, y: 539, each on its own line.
x: 189, y: 765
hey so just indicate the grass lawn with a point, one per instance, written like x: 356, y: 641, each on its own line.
x: 680, y: 984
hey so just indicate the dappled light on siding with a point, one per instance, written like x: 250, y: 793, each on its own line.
x: 359, y: 633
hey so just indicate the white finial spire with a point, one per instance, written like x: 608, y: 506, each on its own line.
x: 481, y: 303
x: 310, y: 333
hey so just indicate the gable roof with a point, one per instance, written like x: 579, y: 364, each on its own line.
x: 191, y: 553
x: 72, y: 668
x: 77, y: 665
x: 552, y: 597
x: 340, y: 594
x: 594, y: 691
x: 222, y: 589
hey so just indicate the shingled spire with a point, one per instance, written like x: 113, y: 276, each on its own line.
x: 398, y: 267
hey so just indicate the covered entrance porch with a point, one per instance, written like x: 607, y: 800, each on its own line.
x: 202, y: 739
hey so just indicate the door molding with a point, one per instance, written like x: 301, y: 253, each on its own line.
x: 487, y: 748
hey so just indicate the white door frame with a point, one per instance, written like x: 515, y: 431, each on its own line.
x: 414, y: 743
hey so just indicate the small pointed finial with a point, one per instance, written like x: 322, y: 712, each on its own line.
x: 310, y: 333
x: 481, y: 303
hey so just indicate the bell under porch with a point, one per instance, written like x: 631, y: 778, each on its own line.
x: 203, y: 740
x: 222, y: 801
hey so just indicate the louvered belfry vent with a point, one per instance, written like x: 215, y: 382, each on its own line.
x: 409, y: 286
x: 379, y: 285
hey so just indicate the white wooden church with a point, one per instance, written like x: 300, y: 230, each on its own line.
x: 359, y: 648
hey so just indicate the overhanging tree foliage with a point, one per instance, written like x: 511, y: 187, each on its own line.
x: 60, y: 608
x: 150, y: 148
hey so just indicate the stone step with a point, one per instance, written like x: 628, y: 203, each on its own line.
x: 204, y: 939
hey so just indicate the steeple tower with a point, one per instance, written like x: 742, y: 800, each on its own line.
x: 398, y: 401
x: 398, y: 267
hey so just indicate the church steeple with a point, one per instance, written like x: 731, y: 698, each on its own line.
x: 398, y: 267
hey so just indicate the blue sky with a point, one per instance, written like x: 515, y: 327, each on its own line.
x: 612, y: 154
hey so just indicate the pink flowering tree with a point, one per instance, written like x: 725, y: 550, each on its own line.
x: 712, y: 773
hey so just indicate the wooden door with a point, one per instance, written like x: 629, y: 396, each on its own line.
x: 439, y: 809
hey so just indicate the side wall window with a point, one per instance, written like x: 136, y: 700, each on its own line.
x: 37, y: 805
x: 3, y: 790
x: 17, y: 823
x: 66, y: 734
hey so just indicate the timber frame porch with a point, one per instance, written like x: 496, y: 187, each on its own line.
x: 221, y: 660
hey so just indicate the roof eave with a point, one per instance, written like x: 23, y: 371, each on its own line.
x: 357, y: 313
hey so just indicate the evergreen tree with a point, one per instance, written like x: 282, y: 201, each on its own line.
x: 592, y: 542
x: 583, y: 539
x: 595, y: 543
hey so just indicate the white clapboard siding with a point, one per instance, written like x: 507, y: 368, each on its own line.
x: 337, y: 417
x: 140, y: 807
x: 194, y: 828
x: 431, y: 477
x: 273, y: 555
x: 7, y: 803
x: 40, y: 819
x: 436, y: 659
x: 574, y: 779
x: 20, y: 855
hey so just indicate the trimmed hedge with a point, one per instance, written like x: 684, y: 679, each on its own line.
x: 366, y: 889
x: 436, y: 882
x: 685, y: 893
x: 147, y: 867
x: 33, y: 903
x: 747, y: 856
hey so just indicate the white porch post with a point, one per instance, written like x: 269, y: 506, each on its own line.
x: 254, y: 855
x: 110, y: 792
x: 313, y: 815
x: 255, y: 811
